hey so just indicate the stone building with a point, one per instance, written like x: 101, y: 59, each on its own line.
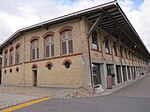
x: 76, y: 50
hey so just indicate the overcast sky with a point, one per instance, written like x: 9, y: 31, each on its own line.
x: 16, y: 14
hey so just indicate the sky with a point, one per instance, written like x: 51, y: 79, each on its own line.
x: 17, y: 14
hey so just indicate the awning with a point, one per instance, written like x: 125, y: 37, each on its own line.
x: 109, y: 17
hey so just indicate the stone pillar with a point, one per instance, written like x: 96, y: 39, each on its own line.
x: 104, y: 75
x: 115, y: 74
x: 122, y: 74
x: 127, y: 73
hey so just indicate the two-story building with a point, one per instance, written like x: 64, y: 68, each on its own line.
x: 76, y: 50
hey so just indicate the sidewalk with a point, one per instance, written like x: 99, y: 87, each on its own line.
x: 13, y: 95
x: 121, y: 86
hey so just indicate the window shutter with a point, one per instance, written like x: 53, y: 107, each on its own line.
x: 64, y: 48
x: 47, y: 51
x: 52, y: 50
x: 70, y: 45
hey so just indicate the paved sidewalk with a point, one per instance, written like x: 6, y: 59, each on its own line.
x: 7, y: 99
x: 12, y: 95
x: 123, y: 85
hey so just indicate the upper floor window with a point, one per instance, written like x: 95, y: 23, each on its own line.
x: 35, y: 49
x: 17, y: 54
x: 121, y: 53
x: 107, y: 49
x: 115, y: 48
x: 11, y: 56
x: 49, y: 46
x: 94, y: 41
x: 5, y: 58
x: 66, y: 42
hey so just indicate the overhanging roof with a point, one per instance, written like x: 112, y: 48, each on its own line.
x: 113, y: 20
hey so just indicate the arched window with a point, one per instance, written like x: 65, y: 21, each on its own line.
x: 66, y: 42
x: 17, y: 53
x: 35, y: 49
x: 49, y: 46
x: 11, y: 56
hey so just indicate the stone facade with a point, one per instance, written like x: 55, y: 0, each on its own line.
x: 125, y: 67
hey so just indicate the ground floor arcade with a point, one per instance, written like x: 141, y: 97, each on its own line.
x: 108, y: 75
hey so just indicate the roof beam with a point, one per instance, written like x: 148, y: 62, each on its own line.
x: 94, y: 25
x: 107, y: 13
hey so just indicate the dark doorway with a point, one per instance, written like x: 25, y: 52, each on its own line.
x: 35, y: 78
x: 96, y: 74
x: 129, y: 72
x: 118, y: 71
x: 124, y: 73
x: 110, y: 71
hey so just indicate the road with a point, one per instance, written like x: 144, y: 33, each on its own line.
x: 134, y: 98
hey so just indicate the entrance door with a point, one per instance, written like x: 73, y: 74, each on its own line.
x: 96, y: 74
x: 34, y: 77
x: 118, y: 71
x: 110, y: 71
x: 124, y: 73
x: 129, y: 75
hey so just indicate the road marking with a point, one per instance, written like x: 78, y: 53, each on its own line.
x: 24, y: 105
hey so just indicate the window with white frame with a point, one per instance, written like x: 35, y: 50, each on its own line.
x: 49, y: 46
x: 17, y: 54
x: 66, y: 42
x: 107, y: 49
x: 11, y: 56
x: 94, y: 41
x: 34, y: 49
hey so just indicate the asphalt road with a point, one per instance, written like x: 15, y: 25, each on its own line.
x: 134, y: 98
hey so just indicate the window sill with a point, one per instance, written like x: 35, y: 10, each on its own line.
x: 96, y: 50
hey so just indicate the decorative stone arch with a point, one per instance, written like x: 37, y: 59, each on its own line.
x: 67, y: 60
x: 65, y: 28
x: 49, y: 65
x: 17, y: 45
x: 34, y: 66
x: 34, y: 38
x: 50, y: 33
x: 11, y: 48
x: 6, y: 51
x: 49, y: 62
